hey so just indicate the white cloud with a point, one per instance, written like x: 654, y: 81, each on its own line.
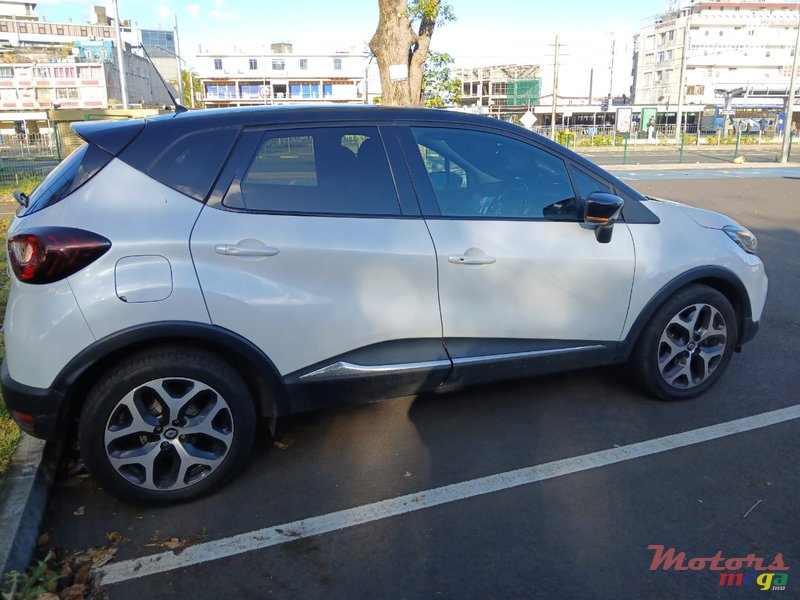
x: 193, y: 10
x: 219, y: 12
x: 163, y: 11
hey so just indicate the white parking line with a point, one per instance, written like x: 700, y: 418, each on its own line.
x: 359, y: 515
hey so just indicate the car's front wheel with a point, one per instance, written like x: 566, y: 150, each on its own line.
x: 167, y: 425
x: 687, y: 344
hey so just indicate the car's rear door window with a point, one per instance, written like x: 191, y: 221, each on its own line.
x: 325, y: 170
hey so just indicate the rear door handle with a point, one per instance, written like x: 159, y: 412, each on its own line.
x: 234, y: 250
x: 463, y: 259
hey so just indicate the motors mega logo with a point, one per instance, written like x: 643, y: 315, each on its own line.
x: 733, y: 573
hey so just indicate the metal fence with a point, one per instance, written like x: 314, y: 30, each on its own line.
x: 27, y: 158
x: 662, y: 135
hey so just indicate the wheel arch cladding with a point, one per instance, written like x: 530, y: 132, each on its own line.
x: 718, y: 278
x: 265, y: 384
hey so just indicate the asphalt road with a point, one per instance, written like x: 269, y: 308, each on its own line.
x: 566, y: 532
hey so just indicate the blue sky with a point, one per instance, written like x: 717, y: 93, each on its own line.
x: 485, y: 32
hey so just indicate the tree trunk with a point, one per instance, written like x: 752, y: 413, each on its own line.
x: 396, y: 43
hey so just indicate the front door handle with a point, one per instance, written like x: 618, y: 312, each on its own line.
x: 463, y: 259
x: 234, y: 250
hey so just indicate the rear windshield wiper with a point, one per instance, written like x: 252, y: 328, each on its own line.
x: 21, y: 197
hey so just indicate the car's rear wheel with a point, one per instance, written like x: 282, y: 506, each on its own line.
x: 167, y: 425
x: 687, y: 345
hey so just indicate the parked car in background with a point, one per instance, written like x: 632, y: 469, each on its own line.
x: 178, y: 278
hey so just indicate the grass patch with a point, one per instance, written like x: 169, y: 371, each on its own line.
x: 26, y: 184
x: 9, y: 432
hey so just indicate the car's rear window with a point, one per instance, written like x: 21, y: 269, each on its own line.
x: 75, y: 170
x: 178, y: 155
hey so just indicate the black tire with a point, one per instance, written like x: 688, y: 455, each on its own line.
x: 673, y: 366
x: 213, y: 420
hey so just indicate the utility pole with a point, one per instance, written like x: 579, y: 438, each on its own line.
x: 611, y: 69
x: 681, y: 87
x: 787, y: 129
x: 178, y: 60
x: 591, y: 83
x: 123, y: 84
x: 555, y: 92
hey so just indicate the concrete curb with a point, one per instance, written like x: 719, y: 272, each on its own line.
x: 23, y: 500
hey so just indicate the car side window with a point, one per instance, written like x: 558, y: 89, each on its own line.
x: 586, y: 184
x: 488, y: 175
x: 331, y: 170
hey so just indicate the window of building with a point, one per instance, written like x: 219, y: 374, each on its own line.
x: 659, y: 76
x: 222, y: 91
x: 44, y: 95
x: 7, y: 72
x: 303, y: 64
x: 278, y: 64
x: 253, y: 64
x: 671, y: 35
x: 250, y: 91
x: 337, y: 64
x: 669, y: 54
x: 660, y: 57
x: 335, y: 170
x: 67, y: 93
x: 6, y: 94
x: 218, y: 64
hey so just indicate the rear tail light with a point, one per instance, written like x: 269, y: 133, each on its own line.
x: 48, y: 254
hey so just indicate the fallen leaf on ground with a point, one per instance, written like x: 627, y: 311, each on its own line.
x: 173, y: 543
x: 114, y: 537
x: 43, y: 540
x: 80, y: 512
x: 280, y: 445
x: 82, y: 576
x: 73, y: 592
x: 408, y: 475
x: 47, y: 596
x: 97, y: 557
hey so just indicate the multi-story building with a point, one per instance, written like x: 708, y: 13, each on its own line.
x: 278, y: 75
x: 500, y: 89
x: 728, y: 45
x: 21, y: 28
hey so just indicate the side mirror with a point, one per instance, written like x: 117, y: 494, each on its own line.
x: 602, y: 209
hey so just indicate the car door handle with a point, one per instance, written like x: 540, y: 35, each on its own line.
x: 234, y: 250
x: 463, y: 259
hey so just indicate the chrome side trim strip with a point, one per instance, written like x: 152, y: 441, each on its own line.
x: 469, y: 360
x: 347, y: 369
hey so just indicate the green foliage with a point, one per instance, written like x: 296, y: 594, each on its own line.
x: 439, y: 88
x: 37, y: 580
x: 419, y: 9
x: 189, y: 79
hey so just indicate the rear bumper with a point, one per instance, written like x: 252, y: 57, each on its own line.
x: 38, y: 412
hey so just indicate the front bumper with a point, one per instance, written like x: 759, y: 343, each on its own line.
x: 749, y: 331
x: 38, y: 412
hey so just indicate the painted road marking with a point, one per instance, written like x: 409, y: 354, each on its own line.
x: 359, y: 515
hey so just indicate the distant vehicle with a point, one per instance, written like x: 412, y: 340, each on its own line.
x: 177, y: 278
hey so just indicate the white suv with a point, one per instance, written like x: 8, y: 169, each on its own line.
x: 177, y: 278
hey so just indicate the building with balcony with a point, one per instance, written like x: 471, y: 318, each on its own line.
x: 729, y: 45
x: 500, y: 89
x: 278, y: 75
x: 21, y: 28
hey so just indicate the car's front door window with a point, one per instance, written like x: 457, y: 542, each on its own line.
x: 495, y: 176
